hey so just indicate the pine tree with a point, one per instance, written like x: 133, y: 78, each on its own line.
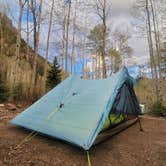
x: 4, y: 91
x: 54, y: 75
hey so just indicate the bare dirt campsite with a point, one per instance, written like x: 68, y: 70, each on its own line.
x: 82, y: 82
x: 130, y: 147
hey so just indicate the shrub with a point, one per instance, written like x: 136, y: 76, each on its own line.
x: 54, y: 75
x: 17, y: 92
x: 158, y: 109
x: 4, y: 91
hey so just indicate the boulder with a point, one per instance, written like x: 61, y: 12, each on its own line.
x: 10, y: 106
x: 2, y: 105
x: 19, y: 106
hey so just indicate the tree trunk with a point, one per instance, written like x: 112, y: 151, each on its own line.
x: 73, y: 42
x: 63, y: 38
x: 27, y: 30
x: 36, y: 44
x: 1, y: 29
x: 104, y: 40
x: 47, y: 46
x: 67, y: 36
x: 18, y: 42
x: 151, y: 64
x: 151, y: 49
x: 156, y: 38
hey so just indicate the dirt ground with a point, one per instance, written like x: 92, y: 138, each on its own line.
x: 129, y: 148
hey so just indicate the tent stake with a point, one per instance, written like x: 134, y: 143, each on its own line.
x: 139, y: 121
x: 88, y: 157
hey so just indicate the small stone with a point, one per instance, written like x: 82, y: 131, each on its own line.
x: 11, y: 107
x: 2, y: 105
x: 19, y: 106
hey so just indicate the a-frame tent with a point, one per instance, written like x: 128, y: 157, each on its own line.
x: 76, y: 110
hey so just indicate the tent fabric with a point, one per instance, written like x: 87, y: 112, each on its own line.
x: 126, y: 101
x: 75, y: 110
x: 112, y: 120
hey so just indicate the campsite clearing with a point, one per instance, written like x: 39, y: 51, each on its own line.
x: 130, y: 147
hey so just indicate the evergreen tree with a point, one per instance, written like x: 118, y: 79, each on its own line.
x: 4, y: 91
x: 54, y: 75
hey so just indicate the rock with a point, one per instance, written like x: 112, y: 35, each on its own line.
x: 2, y: 105
x: 11, y: 107
x: 19, y: 106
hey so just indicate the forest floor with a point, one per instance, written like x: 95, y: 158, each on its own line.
x: 129, y: 148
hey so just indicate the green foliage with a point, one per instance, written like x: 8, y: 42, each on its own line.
x: 158, y: 109
x: 17, y: 92
x: 54, y: 75
x: 96, y: 35
x: 4, y: 91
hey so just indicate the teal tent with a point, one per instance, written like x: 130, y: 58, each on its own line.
x: 76, y: 110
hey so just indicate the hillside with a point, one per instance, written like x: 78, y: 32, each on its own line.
x: 145, y: 91
x: 8, y: 61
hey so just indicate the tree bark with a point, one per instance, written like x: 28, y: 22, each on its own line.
x: 73, y: 42
x: 18, y: 42
x: 104, y: 40
x: 27, y: 30
x: 151, y: 49
x: 36, y: 43
x: 101, y: 12
x: 156, y: 38
x: 1, y: 29
x: 67, y: 35
x: 47, y: 46
x: 63, y: 39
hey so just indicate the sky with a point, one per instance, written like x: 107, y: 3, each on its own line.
x: 121, y: 12
x: 120, y: 16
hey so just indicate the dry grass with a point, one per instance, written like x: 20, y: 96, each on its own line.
x: 145, y: 91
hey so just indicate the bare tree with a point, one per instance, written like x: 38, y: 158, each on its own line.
x: 121, y: 38
x: 157, y: 38
x: 151, y: 48
x: 63, y: 37
x: 67, y: 34
x: 102, y: 10
x: 27, y: 37
x: 1, y: 33
x: 36, y: 29
x: 47, y: 45
x: 18, y: 41
x: 73, y: 39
